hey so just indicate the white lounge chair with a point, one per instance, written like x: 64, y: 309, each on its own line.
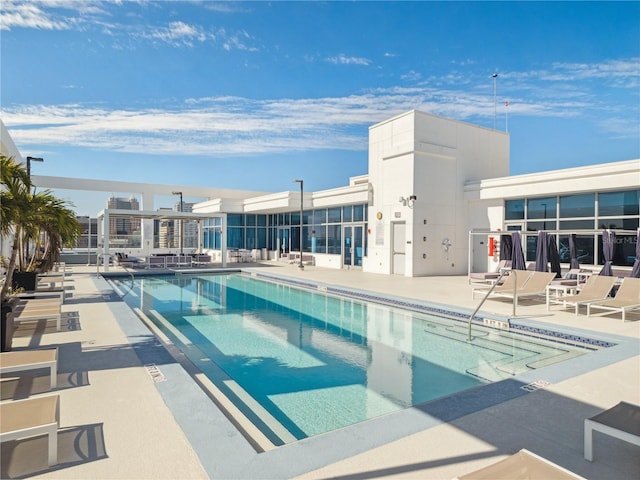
x: 535, y: 285
x: 32, y: 417
x: 515, y: 280
x: 489, y: 277
x: 522, y: 465
x: 595, y: 289
x: 626, y: 300
x: 28, y: 314
x: 31, y: 360
x: 621, y: 421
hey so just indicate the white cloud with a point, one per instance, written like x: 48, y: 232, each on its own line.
x: 29, y: 15
x: 236, y: 125
x: 177, y: 33
x: 345, y: 60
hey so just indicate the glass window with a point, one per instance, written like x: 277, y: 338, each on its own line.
x: 295, y: 218
x: 584, y: 249
x: 250, y: 238
x: 619, y: 203
x: 319, y: 239
x: 261, y: 220
x: 261, y: 238
x: 273, y: 236
x: 307, y: 217
x: 624, y: 250
x: 514, y: 209
x: 334, y: 238
x: 250, y: 220
x: 535, y: 226
x: 283, y: 219
x: 235, y: 219
x: 347, y: 213
x: 235, y: 237
x: 320, y: 216
x: 618, y: 223
x: 583, y: 205
x: 576, y: 224
x: 531, y: 243
x: 541, y: 207
x: 335, y: 215
x: 295, y: 239
x: 359, y: 213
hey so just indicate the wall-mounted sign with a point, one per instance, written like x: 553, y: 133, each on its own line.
x: 379, y: 215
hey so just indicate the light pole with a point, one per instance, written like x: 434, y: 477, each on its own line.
x: 180, y: 193
x: 29, y: 160
x: 495, y: 104
x: 32, y: 159
x: 301, y: 182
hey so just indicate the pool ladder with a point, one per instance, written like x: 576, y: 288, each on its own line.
x: 502, y: 274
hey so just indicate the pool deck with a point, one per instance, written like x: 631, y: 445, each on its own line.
x: 122, y: 420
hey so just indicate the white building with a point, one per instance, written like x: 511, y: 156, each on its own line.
x: 431, y: 182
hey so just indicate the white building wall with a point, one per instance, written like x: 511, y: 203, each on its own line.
x: 432, y: 158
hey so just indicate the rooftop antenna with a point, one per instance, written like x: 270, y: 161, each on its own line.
x: 495, y: 100
x: 506, y: 116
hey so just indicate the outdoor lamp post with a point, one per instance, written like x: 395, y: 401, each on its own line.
x: 495, y: 102
x: 181, y: 232
x: 32, y: 159
x: 301, y: 182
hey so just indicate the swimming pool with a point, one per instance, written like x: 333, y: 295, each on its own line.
x: 299, y: 362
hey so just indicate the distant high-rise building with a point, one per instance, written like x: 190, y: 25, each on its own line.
x: 123, y: 225
x: 89, y: 234
x: 190, y: 228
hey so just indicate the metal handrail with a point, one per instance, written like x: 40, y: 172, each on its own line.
x: 515, y: 285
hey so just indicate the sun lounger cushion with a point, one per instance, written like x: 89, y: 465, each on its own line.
x: 32, y: 417
x: 30, y: 360
x: 31, y: 314
x: 621, y: 421
x: 523, y: 465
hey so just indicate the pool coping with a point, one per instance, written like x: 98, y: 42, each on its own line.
x: 225, y: 453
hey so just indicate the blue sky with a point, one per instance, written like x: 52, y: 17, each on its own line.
x: 250, y: 95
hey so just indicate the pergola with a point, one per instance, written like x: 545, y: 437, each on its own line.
x: 104, y: 216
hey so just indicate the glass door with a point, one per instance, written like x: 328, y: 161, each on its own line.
x: 284, y: 240
x: 352, y: 246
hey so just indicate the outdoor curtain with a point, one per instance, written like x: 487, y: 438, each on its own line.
x: 635, y: 271
x: 608, y: 246
x: 517, y: 255
x: 547, y: 252
x: 554, y: 256
x: 573, y: 251
x: 542, y: 258
x: 506, y: 246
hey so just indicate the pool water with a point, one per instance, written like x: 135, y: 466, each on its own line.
x: 299, y: 363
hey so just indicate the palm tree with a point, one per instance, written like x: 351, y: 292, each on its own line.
x: 38, y: 218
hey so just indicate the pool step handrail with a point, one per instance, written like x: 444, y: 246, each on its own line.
x: 502, y: 274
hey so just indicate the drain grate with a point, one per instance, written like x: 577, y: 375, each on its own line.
x: 155, y: 373
x: 533, y: 386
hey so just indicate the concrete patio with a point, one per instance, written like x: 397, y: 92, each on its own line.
x: 121, y: 420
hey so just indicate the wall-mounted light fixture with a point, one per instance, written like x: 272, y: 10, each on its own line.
x: 410, y: 200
